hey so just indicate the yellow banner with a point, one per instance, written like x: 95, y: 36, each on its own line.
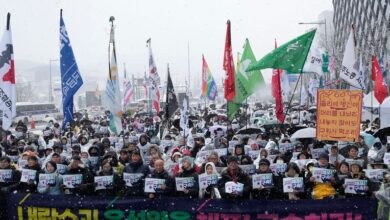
x: 339, y: 114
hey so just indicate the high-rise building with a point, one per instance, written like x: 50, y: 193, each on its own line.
x: 371, y: 21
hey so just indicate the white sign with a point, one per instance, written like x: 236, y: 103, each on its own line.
x: 248, y: 169
x: 264, y: 180
x: 292, y: 183
x: 374, y: 174
x: 5, y: 175
x: 72, y: 181
x: 28, y: 175
x: 21, y: 163
x: 355, y: 186
x: 352, y: 161
x: 254, y: 154
x: 232, y: 187
x: 151, y: 184
x: 48, y: 179
x: 278, y: 168
x: 206, y: 180
x: 315, y: 153
x: 61, y: 168
x: 386, y: 158
x: 102, y: 182
x: 302, y: 162
x: 322, y: 175
x: 285, y: 147
x: 94, y: 160
x: 131, y: 178
x: 183, y: 183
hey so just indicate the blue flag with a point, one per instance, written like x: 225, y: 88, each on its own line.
x: 71, y: 79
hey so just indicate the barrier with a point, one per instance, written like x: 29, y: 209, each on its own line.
x: 38, y: 207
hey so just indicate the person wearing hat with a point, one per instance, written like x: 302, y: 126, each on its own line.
x: 261, y: 192
x: 187, y: 170
x: 325, y: 188
x: 136, y: 166
x: 233, y: 173
x: 292, y: 171
x: 75, y: 167
x: 357, y: 173
x: 334, y: 157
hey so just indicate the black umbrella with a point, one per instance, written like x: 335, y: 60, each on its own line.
x: 176, y: 124
x: 250, y: 131
x: 382, y: 133
x: 293, y: 129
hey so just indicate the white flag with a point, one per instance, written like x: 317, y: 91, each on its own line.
x: 303, y: 95
x: 314, y: 60
x: 184, y: 117
x: 285, y: 86
x: 350, y: 66
x: 7, y: 78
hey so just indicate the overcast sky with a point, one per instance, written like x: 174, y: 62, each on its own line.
x: 171, y: 24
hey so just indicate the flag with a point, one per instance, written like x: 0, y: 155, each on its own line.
x: 313, y: 87
x: 277, y: 92
x: 209, y: 87
x: 128, y: 90
x: 350, y: 66
x: 228, y: 66
x: 145, y: 84
x: 113, y: 96
x: 246, y: 82
x: 315, y: 62
x: 71, y: 79
x: 285, y: 85
x: 383, y: 68
x: 154, y: 80
x: 362, y: 72
x: 7, y: 76
x: 97, y: 91
x: 380, y: 87
x: 184, y: 117
x: 171, y: 101
x: 303, y: 96
x: 291, y: 56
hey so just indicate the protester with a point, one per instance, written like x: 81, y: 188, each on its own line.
x: 136, y: 166
x: 188, y: 171
x: 53, y: 187
x: 159, y: 173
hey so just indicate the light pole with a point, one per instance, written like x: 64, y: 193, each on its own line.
x: 318, y: 23
x: 50, y: 81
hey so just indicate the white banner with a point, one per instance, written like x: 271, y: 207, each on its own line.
x: 374, y: 174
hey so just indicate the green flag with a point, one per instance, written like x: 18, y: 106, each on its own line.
x: 291, y: 56
x: 247, y: 82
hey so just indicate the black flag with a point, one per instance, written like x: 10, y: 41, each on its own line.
x: 171, y: 103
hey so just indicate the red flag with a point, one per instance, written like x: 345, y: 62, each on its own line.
x: 228, y: 66
x: 277, y: 93
x: 380, y: 87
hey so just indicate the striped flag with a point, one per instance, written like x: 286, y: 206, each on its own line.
x: 209, y: 87
x: 145, y: 84
x: 154, y: 80
x: 128, y: 90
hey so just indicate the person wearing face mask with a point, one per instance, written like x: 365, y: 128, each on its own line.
x: 52, y: 188
x: 143, y: 143
x: 83, y: 141
x: 136, y: 166
x: 293, y: 171
x: 188, y: 171
x: 234, y: 173
x: 13, y: 155
x: 376, y: 152
x: 76, y: 166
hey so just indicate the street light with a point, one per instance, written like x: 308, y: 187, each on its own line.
x: 51, y: 83
x: 318, y: 23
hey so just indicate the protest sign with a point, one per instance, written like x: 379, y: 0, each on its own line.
x: 183, y: 183
x: 292, y: 183
x: 151, y: 184
x: 47, y: 179
x: 5, y: 175
x: 72, y: 181
x: 278, y: 168
x: 232, y: 187
x: 103, y: 182
x: 248, y: 169
x: 254, y: 154
x: 386, y: 158
x: 322, y: 175
x: 131, y: 178
x: 264, y: 180
x: 206, y: 180
x: 28, y: 175
x: 355, y: 186
x: 374, y: 174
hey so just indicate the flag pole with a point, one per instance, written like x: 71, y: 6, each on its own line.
x: 9, y: 19
x: 300, y: 100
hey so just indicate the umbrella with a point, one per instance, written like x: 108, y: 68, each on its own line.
x: 368, y: 139
x: 313, y: 109
x: 176, y: 124
x: 250, y: 131
x: 215, y: 127
x: 304, y: 133
x: 294, y: 129
x: 383, y: 132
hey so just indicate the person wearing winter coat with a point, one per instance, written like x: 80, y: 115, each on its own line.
x: 52, y: 188
x: 187, y: 170
x: 234, y: 173
x: 114, y: 188
x: 261, y: 192
x: 77, y: 167
x: 136, y: 166
x: 159, y: 173
x: 11, y: 183
x: 357, y: 173
x: 209, y: 192
x: 31, y: 185
x: 383, y: 196
x: 293, y: 171
x: 325, y: 189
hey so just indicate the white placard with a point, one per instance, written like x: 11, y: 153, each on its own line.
x: 315, y: 153
x: 61, y: 168
x: 131, y: 178
x: 386, y: 158
x: 292, y: 183
x: 271, y: 158
x: 302, y: 162
x: 278, y: 168
x: 73, y: 180
x: 352, y: 161
x: 374, y: 174
x: 151, y: 184
x: 232, y: 187
x: 183, y: 183
x: 265, y: 180
x: 28, y: 175
x: 294, y: 156
x: 254, y: 154
x: 322, y: 175
x: 5, y: 175
x: 355, y: 186
x: 285, y: 147
x: 94, y: 160
x: 248, y: 169
x: 22, y: 163
x: 47, y: 179
x: 102, y: 182
x: 206, y: 180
